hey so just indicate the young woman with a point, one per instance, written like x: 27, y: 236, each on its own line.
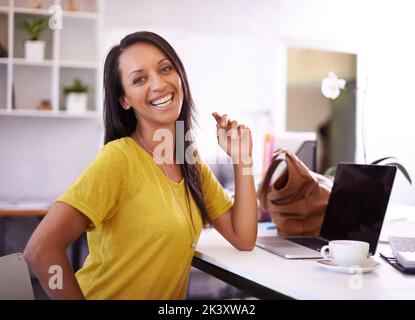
x: 144, y: 215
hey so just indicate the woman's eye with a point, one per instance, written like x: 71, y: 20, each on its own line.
x: 138, y: 80
x: 167, y: 69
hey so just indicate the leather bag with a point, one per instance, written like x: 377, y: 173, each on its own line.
x: 297, y: 198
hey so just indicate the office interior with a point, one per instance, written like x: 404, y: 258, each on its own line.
x: 260, y: 62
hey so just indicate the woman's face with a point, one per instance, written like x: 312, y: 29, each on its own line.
x: 152, y: 86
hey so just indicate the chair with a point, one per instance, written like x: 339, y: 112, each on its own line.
x: 308, y: 154
x: 15, y: 283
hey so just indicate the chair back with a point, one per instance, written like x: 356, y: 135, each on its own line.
x: 15, y: 283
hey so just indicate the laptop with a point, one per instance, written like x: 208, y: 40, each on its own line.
x: 355, y: 211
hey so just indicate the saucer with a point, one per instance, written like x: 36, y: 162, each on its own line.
x: 368, y: 265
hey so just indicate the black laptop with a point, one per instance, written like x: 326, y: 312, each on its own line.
x: 355, y: 211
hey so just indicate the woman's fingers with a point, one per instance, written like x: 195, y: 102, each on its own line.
x: 234, y: 129
x: 216, y: 116
x: 230, y: 132
x: 223, y: 120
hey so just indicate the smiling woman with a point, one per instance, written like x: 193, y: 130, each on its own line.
x: 144, y: 216
x: 151, y: 84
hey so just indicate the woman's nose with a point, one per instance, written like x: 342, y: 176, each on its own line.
x: 157, y: 83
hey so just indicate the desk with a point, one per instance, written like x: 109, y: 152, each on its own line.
x: 268, y: 276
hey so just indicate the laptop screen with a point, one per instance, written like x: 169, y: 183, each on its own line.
x: 358, y: 203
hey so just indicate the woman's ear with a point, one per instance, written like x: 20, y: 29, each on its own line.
x: 124, y: 103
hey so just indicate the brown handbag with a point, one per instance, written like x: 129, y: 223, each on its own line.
x: 297, y: 200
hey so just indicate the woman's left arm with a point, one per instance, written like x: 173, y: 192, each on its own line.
x: 238, y: 225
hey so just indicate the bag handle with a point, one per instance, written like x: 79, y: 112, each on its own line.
x: 275, y: 162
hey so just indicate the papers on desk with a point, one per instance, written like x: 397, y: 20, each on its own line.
x: 397, y: 227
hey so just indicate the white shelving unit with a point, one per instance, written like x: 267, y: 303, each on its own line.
x: 71, y: 52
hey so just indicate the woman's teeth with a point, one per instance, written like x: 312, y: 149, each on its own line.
x: 162, y: 102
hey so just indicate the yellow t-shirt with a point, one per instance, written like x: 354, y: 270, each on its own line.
x: 141, y: 232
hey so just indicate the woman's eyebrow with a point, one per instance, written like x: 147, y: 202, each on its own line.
x: 135, y: 71
x: 140, y: 70
x: 163, y: 60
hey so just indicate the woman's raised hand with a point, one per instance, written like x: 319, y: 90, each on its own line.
x: 235, y: 139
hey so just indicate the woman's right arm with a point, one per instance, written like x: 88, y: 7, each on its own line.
x: 47, y: 247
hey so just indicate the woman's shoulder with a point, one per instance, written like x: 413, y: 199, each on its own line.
x: 121, y: 144
x: 115, y: 150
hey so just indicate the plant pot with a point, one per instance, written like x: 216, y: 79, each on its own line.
x: 35, y: 50
x: 76, y: 103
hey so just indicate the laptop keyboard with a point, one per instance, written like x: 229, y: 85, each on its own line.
x: 403, y: 249
x: 309, y: 242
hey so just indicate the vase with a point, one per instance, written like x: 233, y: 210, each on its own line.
x: 35, y: 50
x: 76, y: 103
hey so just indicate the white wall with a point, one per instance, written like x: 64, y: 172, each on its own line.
x: 41, y: 157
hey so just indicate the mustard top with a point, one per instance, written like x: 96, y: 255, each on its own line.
x: 141, y: 233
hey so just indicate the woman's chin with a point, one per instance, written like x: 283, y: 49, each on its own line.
x: 172, y: 111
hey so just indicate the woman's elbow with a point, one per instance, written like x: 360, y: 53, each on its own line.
x: 32, y: 252
x: 37, y: 251
x: 249, y: 246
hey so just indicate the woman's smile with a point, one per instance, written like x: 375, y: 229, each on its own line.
x: 163, y: 103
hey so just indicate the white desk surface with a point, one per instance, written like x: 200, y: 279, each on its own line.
x: 305, y: 279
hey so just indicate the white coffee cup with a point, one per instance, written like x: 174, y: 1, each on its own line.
x: 346, y: 253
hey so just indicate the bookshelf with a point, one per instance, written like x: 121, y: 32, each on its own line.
x: 70, y: 52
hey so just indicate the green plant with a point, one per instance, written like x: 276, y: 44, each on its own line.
x: 331, y: 172
x: 76, y: 87
x: 35, y: 28
x: 396, y: 164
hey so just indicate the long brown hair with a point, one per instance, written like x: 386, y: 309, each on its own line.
x: 120, y: 123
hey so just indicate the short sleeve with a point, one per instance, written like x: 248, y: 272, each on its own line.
x: 97, y: 190
x: 217, y: 201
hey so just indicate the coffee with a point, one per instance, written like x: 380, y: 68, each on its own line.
x: 346, y: 253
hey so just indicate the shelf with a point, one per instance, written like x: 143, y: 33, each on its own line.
x: 80, y: 14
x: 70, y: 53
x: 49, y: 63
x: 20, y: 36
x: 40, y: 12
x: 45, y: 12
x: 78, y: 64
x: 87, y: 76
x: 27, y: 4
x: 48, y: 114
x: 24, y: 62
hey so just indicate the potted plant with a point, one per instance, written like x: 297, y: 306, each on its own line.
x: 76, y: 97
x: 35, y: 48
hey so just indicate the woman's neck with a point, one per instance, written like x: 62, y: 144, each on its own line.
x: 161, y: 140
